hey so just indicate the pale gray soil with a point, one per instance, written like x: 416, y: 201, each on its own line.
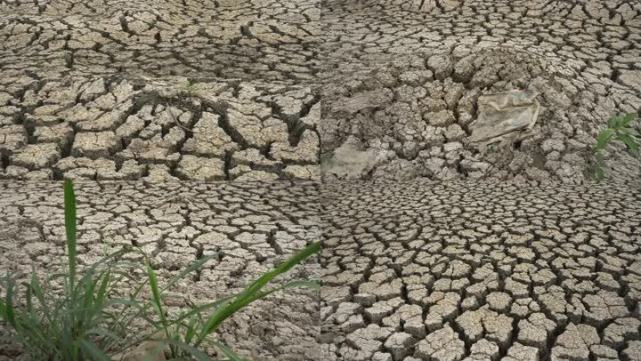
x: 462, y: 270
x: 513, y: 255
x: 520, y: 265
x: 141, y: 102
x: 114, y: 128
x: 401, y: 80
x: 193, y: 90
x: 250, y: 40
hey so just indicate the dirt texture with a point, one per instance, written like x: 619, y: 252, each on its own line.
x: 474, y: 270
x: 402, y: 79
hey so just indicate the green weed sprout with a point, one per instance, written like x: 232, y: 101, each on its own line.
x: 76, y: 324
x: 619, y: 129
x: 185, y: 334
x: 190, y: 87
x: 86, y: 322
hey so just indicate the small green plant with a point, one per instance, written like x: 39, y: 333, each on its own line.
x: 190, y: 87
x: 75, y: 324
x: 619, y: 129
x: 86, y: 321
x: 189, y: 331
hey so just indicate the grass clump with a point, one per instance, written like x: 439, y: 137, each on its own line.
x: 619, y: 129
x: 66, y: 316
x: 79, y: 316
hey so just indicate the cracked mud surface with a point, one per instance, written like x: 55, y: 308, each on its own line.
x: 158, y: 130
x: 251, y: 226
x: 250, y: 40
x: 143, y: 101
x: 169, y: 90
x: 401, y: 81
x: 466, y: 270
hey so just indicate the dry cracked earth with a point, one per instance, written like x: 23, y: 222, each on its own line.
x: 401, y: 82
x: 190, y: 128
x: 251, y: 128
x: 420, y: 271
x: 515, y: 254
x: 192, y: 90
x: 250, y: 40
x: 116, y: 128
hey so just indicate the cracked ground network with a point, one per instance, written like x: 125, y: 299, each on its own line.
x: 440, y: 149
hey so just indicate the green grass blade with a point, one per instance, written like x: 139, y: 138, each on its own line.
x: 188, y: 349
x: 190, y: 333
x: 29, y: 298
x: 3, y: 311
x: 93, y: 351
x: 122, y: 320
x: 231, y: 355
x: 155, y: 292
x: 103, y: 333
x: 299, y: 257
x: 198, y: 310
x: 141, y: 310
x: 70, y: 228
x: 9, y: 310
x: 289, y: 285
x: 604, y: 138
x: 249, y: 294
x: 38, y: 291
x: 627, y: 119
x: 630, y: 142
x: 32, y: 328
x: 101, y: 296
x: 294, y: 284
x: 284, y: 267
x: 156, y: 298
x: 599, y: 172
x: 89, y: 288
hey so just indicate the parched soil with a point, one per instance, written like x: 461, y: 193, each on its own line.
x: 195, y: 126
x: 401, y: 80
x: 462, y: 270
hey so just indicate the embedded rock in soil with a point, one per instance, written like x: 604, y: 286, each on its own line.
x: 350, y: 161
